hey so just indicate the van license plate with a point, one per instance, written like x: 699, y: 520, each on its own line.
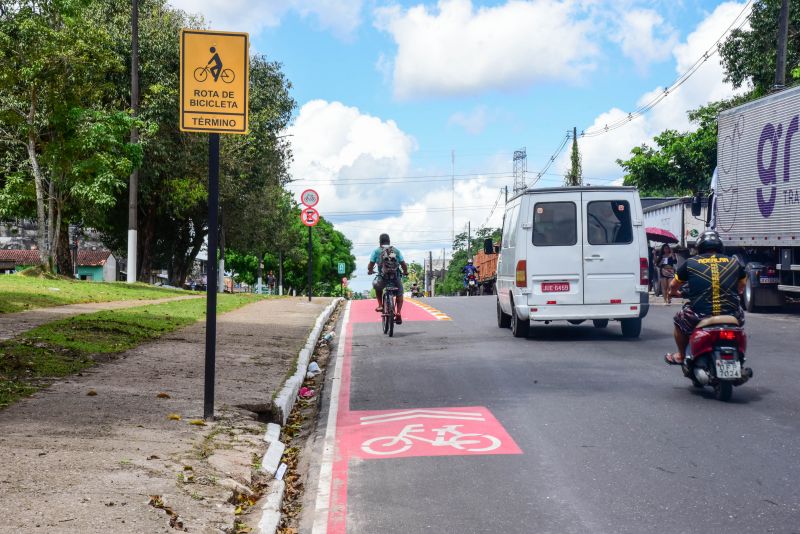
x: 729, y: 369
x: 768, y: 280
x: 555, y: 287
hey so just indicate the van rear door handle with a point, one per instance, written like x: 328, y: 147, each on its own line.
x: 593, y: 258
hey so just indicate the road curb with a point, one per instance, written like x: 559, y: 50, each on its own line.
x: 281, y: 408
x: 284, y: 401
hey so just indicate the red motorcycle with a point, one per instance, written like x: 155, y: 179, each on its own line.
x: 716, y: 356
x: 472, y: 285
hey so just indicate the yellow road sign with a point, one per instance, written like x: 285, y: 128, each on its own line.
x: 214, y: 81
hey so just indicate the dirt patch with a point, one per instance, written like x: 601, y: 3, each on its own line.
x: 75, y: 462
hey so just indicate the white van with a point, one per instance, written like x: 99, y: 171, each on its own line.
x: 573, y: 254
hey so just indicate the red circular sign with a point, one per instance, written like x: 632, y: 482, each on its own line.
x: 309, y: 197
x: 309, y: 216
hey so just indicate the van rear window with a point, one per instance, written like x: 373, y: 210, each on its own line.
x: 609, y: 222
x: 555, y: 224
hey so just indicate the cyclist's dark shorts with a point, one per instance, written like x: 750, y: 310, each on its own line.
x: 380, y: 283
x: 686, y: 320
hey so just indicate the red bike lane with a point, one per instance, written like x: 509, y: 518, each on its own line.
x: 373, y: 435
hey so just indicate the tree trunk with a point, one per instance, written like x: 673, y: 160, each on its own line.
x: 38, y: 180
x: 64, y: 257
x: 146, y: 242
x: 280, y: 273
x: 51, y: 228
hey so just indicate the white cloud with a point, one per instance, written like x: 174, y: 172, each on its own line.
x: 342, y: 18
x: 473, y: 122
x: 335, y: 146
x: 644, y: 37
x: 600, y: 153
x: 458, y: 49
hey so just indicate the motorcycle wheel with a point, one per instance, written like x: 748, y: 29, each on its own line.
x: 723, y: 391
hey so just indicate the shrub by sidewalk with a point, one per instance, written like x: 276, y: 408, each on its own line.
x: 114, y: 448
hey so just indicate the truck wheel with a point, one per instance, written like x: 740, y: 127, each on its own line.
x: 503, y: 319
x: 519, y: 328
x: 600, y: 323
x: 748, y: 298
x: 631, y: 328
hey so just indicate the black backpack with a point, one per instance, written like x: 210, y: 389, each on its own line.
x: 388, y: 262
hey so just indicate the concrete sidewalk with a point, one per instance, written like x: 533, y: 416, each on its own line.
x: 13, y: 324
x: 75, y: 461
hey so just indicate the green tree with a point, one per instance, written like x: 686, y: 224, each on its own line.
x: 750, y: 55
x: 574, y: 175
x: 54, y: 68
x: 681, y: 163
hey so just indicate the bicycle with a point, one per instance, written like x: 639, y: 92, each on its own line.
x: 470, y: 442
x: 389, y: 297
x: 201, y: 74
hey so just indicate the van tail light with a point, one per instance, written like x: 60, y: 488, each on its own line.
x: 644, y: 278
x: 522, y: 273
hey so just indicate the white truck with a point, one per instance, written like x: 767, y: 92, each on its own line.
x: 755, y: 194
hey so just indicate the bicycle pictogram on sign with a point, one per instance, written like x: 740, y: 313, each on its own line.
x: 216, y: 71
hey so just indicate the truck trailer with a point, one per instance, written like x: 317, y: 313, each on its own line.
x: 755, y: 194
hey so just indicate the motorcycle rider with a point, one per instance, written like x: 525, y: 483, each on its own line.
x: 469, y: 269
x: 380, y: 281
x: 715, y: 280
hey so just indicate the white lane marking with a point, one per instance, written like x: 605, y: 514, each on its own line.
x: 421, y: 411
x: 322, y: 506
x: 404, y: 417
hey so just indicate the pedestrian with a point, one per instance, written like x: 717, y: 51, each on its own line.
x: 666, y: 270
x: 271, y: 283
x: 651, y: 270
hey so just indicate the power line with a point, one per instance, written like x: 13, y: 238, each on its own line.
x: 552, y: 158
x: 412, y: 210
x: 680, y: 80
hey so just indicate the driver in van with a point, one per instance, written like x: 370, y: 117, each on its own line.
x: 715, y: 282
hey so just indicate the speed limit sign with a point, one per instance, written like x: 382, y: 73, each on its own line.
x: 309, y: 197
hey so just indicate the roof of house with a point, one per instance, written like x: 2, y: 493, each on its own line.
x: 93, y: 258
x: 86, y: 257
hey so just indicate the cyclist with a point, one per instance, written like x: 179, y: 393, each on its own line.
x: 389, y: 260
x: 217, y: 68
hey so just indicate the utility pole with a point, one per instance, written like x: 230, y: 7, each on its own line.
x: 431, y: 283
x: 783, y: 33
x: 453, y: 194
x: 506, y: 194
x: 469, y: 240
x: 520, y: 169
x: 133, y: 187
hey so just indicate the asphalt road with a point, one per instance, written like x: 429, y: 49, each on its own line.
x: 608, y: 438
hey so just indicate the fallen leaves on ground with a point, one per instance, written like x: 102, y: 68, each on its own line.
x: 197, y: 422
x: 91, y: 393
x: 174, y: 417
x: 163, y: 395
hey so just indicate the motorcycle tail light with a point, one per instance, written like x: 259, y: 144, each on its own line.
x: 727, y: 335
x: 522, y: 273
x: 644, y: 279
x: 726, y: 355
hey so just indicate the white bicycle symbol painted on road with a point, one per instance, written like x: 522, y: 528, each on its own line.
x: 388, y: 445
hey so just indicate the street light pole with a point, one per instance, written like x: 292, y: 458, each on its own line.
x: 783, y: 33
x: 133, y: 188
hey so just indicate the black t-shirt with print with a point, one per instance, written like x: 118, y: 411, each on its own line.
x: 713, y: 283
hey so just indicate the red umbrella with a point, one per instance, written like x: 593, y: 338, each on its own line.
x: 660, y: 235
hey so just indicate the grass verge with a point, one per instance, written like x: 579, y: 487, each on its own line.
x: 19, y: 293
x: 61, y: 348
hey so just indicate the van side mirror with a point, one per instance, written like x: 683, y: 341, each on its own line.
x: 488, y: 246
x: 697, y: 205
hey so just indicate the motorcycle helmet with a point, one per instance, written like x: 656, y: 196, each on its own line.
x: 709, y: 241
x: 469, y: 262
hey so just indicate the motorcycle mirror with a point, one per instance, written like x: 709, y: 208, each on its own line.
x: 697, y: 205
x: 488, y: 246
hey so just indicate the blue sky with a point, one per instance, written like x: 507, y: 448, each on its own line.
x: 386, y: 90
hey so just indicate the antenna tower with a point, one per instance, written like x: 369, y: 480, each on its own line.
x: 520, y: 169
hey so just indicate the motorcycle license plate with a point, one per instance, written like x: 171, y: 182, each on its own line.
x: 555, y: 287
x: 472, y: 282
x: 729, y: 369
x: 768, y: 280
